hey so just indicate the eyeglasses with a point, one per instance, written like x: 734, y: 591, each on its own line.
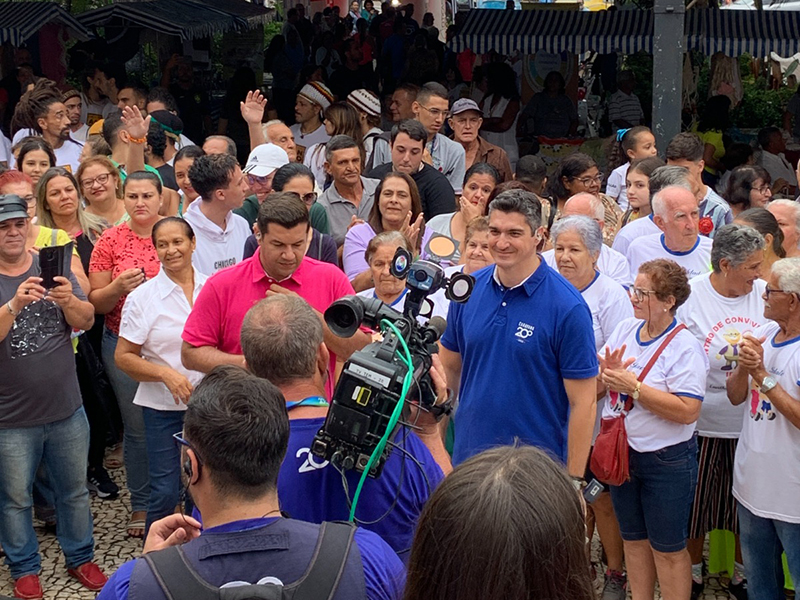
x: 768, y: 291
x: 763, y: 189
x: 255, y: 179
x: 309, y: 198
x: 639, y: 293
x: 101, y: 179
x: 587, y: 181
x: 436, y: 113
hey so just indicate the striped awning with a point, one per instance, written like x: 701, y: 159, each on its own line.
x: 183, y: 18
x: 555, y: 31
x: 255, y: 14
x: 21, y: 20
x: 735, y: 32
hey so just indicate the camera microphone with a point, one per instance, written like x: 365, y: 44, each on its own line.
x: 435, y: 330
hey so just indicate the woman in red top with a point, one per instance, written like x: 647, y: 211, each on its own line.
x: 124, y: 258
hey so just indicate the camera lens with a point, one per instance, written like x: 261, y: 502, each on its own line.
x: 420, y: 275
x: 344, y: 316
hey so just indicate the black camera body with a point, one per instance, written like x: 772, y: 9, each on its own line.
x: 371, y: 383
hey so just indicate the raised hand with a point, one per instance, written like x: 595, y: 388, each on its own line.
x: 135, y: 124
x: 411, y: 230
x: 253, y: 107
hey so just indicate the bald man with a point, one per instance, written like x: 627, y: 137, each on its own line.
x: 676, y: 214
x: 610, y: 263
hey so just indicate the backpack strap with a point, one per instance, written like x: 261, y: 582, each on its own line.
x: 177, y: 577
x: 328, y: 562
x: 54, y: 237
x: 680, y: 327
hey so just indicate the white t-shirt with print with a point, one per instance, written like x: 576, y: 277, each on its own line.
x: 69, y: 155
x: 719, y: 324
x: 610, y: 263
x: 680, y: 369
x: 766, y: 473
x: 305, y: 141
x: 216, y: 249
x: 616, y: 187
x: 695, y: 261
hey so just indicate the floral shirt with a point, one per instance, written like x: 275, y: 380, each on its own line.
x: 118, y: 250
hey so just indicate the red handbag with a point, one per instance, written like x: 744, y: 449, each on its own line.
x: 610, y: 456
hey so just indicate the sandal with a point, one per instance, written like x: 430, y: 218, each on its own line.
x: 136, y: 526
x: 113, y: 459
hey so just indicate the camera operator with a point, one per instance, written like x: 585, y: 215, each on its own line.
x: 282, y: 342
x: 234, y: 439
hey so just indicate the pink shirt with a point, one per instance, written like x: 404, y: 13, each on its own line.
x: 217, y: 316
x: 118, y: 250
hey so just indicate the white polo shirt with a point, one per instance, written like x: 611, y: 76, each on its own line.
x: 153, y: 318
x: 216, y: 248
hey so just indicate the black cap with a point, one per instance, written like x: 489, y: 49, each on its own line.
x: 12, y: 207
x: 170, y: 123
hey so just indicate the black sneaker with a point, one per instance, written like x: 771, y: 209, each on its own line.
x: 738, y: 591
x: 99, y: 482
x: 697, y: 589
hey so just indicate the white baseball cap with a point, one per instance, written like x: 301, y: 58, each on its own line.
x: 265, y: 159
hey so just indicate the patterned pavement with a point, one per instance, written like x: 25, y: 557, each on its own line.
x: 113, y: 547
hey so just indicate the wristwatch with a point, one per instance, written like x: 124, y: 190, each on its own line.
x: 768, y: 383
x: 637, y: 389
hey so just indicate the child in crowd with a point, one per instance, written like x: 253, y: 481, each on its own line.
x: 631, y: 144
x: 637, y: 184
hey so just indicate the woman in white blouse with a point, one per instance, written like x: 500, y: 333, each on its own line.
x: 577, y: 241
x: 149, y: 351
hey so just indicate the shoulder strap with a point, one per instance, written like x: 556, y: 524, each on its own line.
x: 54, y: 237
x: 328, y: 562
x: 680, y: 327
x: 176, y: 576
x: 654, y: 358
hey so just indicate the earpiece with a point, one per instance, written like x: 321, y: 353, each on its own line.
x: 187, y: 468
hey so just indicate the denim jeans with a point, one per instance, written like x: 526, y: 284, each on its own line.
x: 134, y: 444
x: 655, y: 504
x: 763, y: 540
x: 64, y: 447
x: 164, y: 458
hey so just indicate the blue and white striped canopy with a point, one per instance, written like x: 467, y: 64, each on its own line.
x: 733, y: 32
x: 555, y: 31
x: 21, y: 20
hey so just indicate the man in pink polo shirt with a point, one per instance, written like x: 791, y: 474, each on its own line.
x: 211, y: 334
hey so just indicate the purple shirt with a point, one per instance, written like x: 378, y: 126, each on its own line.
x: 355, y: 245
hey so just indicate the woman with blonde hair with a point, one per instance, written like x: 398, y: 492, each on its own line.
x: 101, y: 187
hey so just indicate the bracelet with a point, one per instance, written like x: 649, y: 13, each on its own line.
x: 14, y: 313
x: 142, y: 140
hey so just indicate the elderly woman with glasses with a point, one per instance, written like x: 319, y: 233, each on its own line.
x: 661, y: 408
x: 766, y: 472
x: 748, y: 187
x: 723, y: 307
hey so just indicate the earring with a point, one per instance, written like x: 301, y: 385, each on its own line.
x: 665, y: 310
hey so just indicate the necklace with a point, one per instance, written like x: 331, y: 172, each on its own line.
x: 311, y: 401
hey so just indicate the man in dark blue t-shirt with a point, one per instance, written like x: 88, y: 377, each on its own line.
x: 234, y: 439
x: 282, y: 341
x: 521, y: 349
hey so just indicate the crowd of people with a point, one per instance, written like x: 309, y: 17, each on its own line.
x: 186, y: 342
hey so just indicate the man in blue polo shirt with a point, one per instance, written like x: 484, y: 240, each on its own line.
x: 522, y: 347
